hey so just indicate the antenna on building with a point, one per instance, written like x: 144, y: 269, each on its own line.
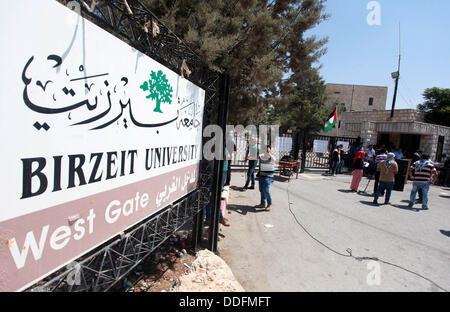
x: 396, y: 75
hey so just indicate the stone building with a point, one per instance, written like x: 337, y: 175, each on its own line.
x: 353, y: 98
x: 374, y: 125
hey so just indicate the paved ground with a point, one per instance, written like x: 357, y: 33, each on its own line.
x: 285, y: 258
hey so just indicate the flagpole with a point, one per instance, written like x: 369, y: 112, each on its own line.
x: 337, y: 125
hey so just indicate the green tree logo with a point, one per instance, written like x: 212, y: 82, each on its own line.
x: 159, y: 88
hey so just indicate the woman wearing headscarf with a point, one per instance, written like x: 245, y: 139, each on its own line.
x: 358, y: 170
x: 388, y: 169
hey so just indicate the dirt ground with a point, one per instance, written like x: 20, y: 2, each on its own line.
x: 163, y: 276
x: 172, y: 269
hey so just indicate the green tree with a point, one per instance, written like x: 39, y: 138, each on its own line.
x: 256, y: 42
x: 304, y: 108
x: 159, y: 88
x: 436, y: 106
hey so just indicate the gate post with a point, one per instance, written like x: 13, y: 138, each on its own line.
x: 303, y: 152
x: 218, y: 166
x: 296, y: 149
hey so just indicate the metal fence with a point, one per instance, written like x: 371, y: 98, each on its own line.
x: 238, y: 157
x: 315, y: 160
x: 102, y: 268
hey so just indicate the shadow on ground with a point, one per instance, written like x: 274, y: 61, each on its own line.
x: 244, y: 210
x: 277, y: 178
x: 237, y: 188
x: 327, y: 174
x: 365, y: 194
x: 382, y: 204
x: 446, y: 233
x: 369, y: 203
x: 346, y: 191
x: 444, y: 196
x: 403, y: 207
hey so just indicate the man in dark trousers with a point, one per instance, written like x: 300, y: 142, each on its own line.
x: 416, y: 157
x: 231, y: 145
x: 252, y: 157
x: 382, y: 156
x: 336, y: 158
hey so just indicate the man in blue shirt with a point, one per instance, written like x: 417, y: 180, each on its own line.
x: 399, y: 154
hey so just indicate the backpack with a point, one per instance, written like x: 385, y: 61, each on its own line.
x: 287, y: 158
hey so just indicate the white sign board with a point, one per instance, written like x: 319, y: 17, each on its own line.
x: 320, y: 146
x: 346, y: 145
x: 96, y: 137
x: 284, y: 144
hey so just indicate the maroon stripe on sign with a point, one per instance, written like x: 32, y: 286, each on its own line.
x: 65, y: 232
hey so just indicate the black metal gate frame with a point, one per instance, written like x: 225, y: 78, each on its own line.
x: 102, y: 268
x: 303, y: 143
x: 105, y: 266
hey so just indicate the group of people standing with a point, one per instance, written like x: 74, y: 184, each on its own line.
x: 339, y: 155
x: 337, y: 160
x: 381, y: 164
x: 422, y: 172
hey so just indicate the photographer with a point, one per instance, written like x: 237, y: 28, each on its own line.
x: 265, y: 176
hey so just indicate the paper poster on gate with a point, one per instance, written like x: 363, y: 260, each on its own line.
x: 96, y: 137
x: 284, y: 144
x: 320, y: 146
x: 346, y: 145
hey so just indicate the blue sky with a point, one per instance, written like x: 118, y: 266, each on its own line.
x: 362, y: 54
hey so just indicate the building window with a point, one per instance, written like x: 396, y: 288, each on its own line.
x: 371, y: 101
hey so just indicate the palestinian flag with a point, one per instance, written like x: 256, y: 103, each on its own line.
x: 331, y: 121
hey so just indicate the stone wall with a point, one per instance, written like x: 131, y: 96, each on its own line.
x: 429, y: 143
x: 350, y: 121
x: 368, y: 125
x: 356, y: 97
x: 368, y: 133
x: 385, y: 115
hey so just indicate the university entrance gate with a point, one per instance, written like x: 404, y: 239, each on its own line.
x: 315, y: 150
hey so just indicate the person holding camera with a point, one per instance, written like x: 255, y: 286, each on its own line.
x: 265, y: 176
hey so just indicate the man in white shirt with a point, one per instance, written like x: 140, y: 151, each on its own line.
x: 371, y: 153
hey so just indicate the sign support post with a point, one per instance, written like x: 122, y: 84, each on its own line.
x: 218, y: 167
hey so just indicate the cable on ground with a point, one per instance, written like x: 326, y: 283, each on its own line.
x: 350, y: 253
